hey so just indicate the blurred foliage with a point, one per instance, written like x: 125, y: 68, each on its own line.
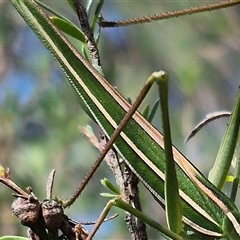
x: 39, y: 116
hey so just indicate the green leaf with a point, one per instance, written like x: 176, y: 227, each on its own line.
x: 224, y: 158
x: 108, y: 185
x: 149, y: 114
x: 166, y: 233
x: 44, y: 6
x: 69, y: 28
x: 109, y: 195
x: 153, y: 111
x: 63, y: 23
x: 172, y: 198
x: 236, y: 177
x: 146, y: 111
x: 13, y: 238
x: 96, y: 14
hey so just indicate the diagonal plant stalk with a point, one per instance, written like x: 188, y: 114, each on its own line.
x: 172, y: 198
x: 124, y: 121
x: 117, y: 202
x: 236, y: 180
x: 224, y: 158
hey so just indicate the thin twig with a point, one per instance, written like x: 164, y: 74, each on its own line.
x: 9, y: 183
x: 168, y: 15
x: 92, y: 222
x: 83, y: 19
x: 111, y: 141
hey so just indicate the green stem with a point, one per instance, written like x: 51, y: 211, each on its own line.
x: 44, y: 6
x: 96, y: 14
x: 166, y: 232
x: 237, y: 171
x: 224, y: 158
x: 172, y: 198
x: 100, y: 220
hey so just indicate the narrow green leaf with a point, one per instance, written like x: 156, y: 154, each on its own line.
x: 63, y: 23
x: 146, y: 111
x: 221, y: 167
x: 167, y: 233
x: 172, y: 198
x: 153, y: 111
x: 13, y: 238
x: 129, y: 100
x: 149, y: 114
x: 235, y: 184
x: 46, y: 7
x: 109, y: 195
x: 108, y: 185
x: 96, y: 14
x: 69, y: 28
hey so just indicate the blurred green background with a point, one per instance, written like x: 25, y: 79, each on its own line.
x: 40, y: 117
